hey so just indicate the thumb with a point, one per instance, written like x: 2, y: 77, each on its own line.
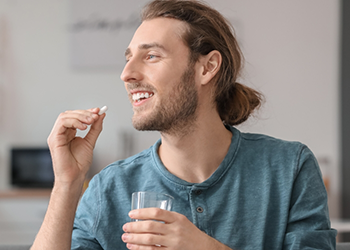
x: 95, y: 131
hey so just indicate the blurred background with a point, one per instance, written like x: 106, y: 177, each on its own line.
x: 58, y: 55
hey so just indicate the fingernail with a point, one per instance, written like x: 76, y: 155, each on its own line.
x: 132, y: 214
x: 124, y: 237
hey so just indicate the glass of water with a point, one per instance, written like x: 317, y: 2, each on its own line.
x: 145, y: 199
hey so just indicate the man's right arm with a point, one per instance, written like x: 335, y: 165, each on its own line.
x: 71, y: 158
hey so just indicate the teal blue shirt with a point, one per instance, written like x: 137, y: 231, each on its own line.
x: 266, y: 194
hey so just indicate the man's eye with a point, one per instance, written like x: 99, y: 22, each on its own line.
x: 151, y: 56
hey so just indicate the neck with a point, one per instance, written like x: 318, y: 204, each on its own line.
x: 195, y: 156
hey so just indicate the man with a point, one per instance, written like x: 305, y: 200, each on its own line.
x: 232, y: 190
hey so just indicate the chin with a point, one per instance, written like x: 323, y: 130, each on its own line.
x: 146, y: 124
x: 140, y: 124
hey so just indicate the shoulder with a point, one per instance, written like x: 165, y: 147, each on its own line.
x: 268, y: 144
x: 122, y: 171
x: 266, y: 139
x: 274, y: 152
x: 131, y: 162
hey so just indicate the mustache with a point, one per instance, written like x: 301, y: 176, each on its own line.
x: 138, y: 85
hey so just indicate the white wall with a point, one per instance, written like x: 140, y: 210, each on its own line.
x: 292, y: 56
x: 291, y: 50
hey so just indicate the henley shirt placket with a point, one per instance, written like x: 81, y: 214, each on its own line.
x: 199, y: 208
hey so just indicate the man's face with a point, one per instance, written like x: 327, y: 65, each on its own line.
x: 159, y: 79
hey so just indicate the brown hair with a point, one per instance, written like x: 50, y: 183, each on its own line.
x: 208, y: 30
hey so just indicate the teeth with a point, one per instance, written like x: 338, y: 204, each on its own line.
x: 138, y: 96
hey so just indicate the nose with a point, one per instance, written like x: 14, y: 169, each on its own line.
x: 131, y: 71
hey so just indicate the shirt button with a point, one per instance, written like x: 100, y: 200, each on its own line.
x: 197, y: 192
x: 200, y: 209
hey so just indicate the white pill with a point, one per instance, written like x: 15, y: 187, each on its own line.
x: 103, y: 110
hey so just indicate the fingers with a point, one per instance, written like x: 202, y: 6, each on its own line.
x: 95, y: 130
x: 67, y: 123
x: 150, y: 232
x: 77, y: 119
x: 155, y: 227
x: 143, y: 241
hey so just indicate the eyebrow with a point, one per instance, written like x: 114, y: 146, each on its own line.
x: 144, y: 47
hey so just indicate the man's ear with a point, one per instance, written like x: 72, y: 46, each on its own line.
x: 211, y: 64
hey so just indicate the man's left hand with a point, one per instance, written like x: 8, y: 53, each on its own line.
x: 176, y: 233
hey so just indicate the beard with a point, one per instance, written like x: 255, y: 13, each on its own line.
x: 175, y: 114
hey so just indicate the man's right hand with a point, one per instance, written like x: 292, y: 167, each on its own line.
x: 71, y: 155
x: 71, y: 158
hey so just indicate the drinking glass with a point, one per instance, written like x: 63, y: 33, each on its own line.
x: 147, y: 199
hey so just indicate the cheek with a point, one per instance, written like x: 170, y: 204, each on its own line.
x: 161, y: 79
x: 165, y: 76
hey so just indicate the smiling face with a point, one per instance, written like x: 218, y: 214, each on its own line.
x: 159, y: 78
